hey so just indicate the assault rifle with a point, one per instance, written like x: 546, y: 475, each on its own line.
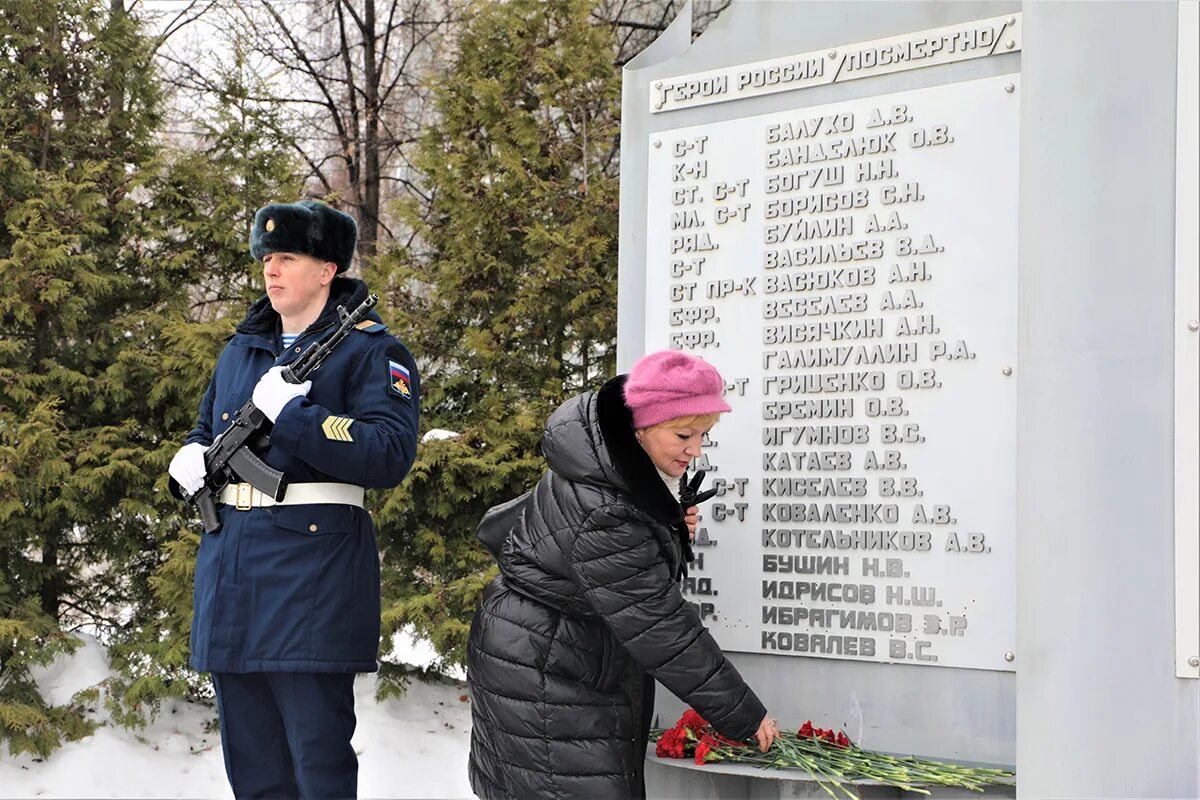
x: 232, y: 457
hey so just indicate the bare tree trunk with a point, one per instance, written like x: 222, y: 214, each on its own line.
x: 51, y: 583
x: 54, y: 82
x: 116, y: 92
x: 369, y: 221
x: 49, y: 592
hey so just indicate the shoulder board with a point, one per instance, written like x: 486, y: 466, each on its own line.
x: 371, y: 326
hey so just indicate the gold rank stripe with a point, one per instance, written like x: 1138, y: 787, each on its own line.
x: 337, y: 428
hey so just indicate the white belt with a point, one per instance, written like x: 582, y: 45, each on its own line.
x: 244, y: 497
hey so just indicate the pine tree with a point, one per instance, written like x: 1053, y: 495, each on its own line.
x: 122, y: 263
x: 508, y: 293
x: 77, y: 114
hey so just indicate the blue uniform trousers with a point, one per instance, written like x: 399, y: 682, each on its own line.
x: 287, y: 734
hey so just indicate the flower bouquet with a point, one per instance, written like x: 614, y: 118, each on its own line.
x: 829, y: 757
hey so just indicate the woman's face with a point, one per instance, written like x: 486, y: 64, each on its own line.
x: 672, y: 448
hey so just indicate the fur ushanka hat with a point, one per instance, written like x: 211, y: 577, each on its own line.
x: 309, y: 227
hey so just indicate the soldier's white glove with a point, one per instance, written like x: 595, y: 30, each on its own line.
x: 272, y: 392
x: 187, y: 467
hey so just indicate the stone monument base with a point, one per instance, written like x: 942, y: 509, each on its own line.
x: 682, y: 779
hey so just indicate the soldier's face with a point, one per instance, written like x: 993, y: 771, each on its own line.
x: 670, y: 448
x: 296, y: 282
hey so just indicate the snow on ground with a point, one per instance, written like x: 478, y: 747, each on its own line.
x: 412, y: 747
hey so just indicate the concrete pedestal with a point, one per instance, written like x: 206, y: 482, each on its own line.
x: 683, y: 779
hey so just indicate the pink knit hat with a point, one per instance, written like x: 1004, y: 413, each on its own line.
x: 669, y: 384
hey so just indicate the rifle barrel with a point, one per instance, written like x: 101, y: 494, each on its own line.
x: 315, y: 353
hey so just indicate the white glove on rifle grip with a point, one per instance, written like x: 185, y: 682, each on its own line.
x: 272, y: 392
x: 187, y: 467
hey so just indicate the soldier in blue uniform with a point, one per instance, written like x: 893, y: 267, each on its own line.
x: 287, y: 593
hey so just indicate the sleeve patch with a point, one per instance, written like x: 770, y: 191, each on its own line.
x: 399, y: 380
x: 337, y: 428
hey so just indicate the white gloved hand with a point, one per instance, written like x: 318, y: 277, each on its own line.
x: 272, y: 392
x: 187, y: 467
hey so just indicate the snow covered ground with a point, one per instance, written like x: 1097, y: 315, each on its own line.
x: 414, y: 747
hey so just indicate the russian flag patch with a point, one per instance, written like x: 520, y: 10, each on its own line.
x: 400, y: 379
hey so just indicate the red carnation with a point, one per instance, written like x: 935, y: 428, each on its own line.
x: 806, y: 730
x: 670, y: 744
x: 704, y: 750
x: 826, y: 735
x: 692, y: 721
x: 842, y: 739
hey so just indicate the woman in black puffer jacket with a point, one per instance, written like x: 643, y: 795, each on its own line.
x: 587, y: 611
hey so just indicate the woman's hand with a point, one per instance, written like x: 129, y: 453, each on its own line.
x: 767, y: 733
x: 691, y: 517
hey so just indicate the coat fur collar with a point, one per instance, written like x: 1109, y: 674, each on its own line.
x: 631, y: 461
x: 641, y: 476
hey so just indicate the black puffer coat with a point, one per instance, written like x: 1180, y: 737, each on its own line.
x: 586, y: 602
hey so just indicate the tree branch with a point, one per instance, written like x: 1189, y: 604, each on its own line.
x: 311, y: 70
x: 174, y: 26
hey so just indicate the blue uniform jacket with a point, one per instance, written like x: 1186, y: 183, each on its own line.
x: 296, y: 588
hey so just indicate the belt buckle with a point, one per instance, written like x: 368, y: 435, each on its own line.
x: 245, y: 497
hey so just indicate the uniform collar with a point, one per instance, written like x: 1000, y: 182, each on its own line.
x: 263, y: 320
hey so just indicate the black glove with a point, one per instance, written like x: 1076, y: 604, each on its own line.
x: 690, y: 495
x: 689, y: 491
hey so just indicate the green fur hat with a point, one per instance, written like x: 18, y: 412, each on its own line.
x: 308, y: 227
